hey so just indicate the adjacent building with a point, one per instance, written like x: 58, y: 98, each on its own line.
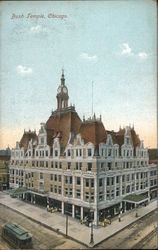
x: 77, y: 165
x: 4, y: 168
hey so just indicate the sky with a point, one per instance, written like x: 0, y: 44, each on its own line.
x: 109, y: 43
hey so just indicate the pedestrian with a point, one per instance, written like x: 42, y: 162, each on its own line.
x: 119, y: 218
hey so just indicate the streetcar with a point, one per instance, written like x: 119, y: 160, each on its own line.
x: 17, y: 236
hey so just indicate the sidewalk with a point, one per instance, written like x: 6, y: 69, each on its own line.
x: 78, y: 232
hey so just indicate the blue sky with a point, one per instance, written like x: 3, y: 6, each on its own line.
x: 112, y: 43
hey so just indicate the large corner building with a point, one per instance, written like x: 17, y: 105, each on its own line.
x: 77, y: 165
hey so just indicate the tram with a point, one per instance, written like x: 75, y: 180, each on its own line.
x: 17, y: 236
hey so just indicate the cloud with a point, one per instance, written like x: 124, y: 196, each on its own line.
x: 142, y: 55
x: 37, y: 29
x: 24, y: 70
x: 85, y: 56
x: 126, y: 50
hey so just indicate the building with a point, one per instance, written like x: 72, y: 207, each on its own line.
x: 77, y: 165
x: 4, y: 168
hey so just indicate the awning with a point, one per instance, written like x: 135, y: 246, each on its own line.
x: 18, y: 191
x: 134, y: 198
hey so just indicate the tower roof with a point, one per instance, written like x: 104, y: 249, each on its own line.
x: 62, y: 123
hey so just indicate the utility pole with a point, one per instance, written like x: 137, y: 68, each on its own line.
x: 66, y: 224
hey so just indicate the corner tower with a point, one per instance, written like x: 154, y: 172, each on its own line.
x: 62, y: 94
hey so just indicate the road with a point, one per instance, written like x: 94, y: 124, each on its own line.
x: 140, y: 235
x: 43, y: 238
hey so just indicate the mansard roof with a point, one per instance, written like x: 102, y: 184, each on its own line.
x: 62, y: 123
x: 93, y: 131
x: 27, y: 136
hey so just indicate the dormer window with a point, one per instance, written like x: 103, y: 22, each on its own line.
x: 109, y: 152
x: 68, y: 152
x: 89, y: 152
x: 42, y: 140
x: 127, y: 140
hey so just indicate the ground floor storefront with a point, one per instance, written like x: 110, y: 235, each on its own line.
x: 80, y: 212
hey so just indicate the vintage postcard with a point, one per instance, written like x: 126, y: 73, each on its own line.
x: 78, y: 119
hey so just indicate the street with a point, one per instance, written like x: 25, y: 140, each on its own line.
x: 135, y: 236
x: 139, y: 235
x: 43, y: 238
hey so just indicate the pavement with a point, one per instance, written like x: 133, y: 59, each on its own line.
x: 80, y: 233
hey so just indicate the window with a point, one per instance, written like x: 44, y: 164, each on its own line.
x: 127, y: 177
x: 46, y: 164
x: 32, y: 174
x: 128, y: 189
x: 51, y: 151
x: 70, y: 179
x: 36, y: 153
x: 55, y: 177
x: 68, y: 165
x: 56, y: 153
x: 76, y: 165
x: 102, y: 165
x: 70, y: 192
x: 80, y: 152
x: 76, y: 152
x: 108, y: 181
x: 108, y: 195
x: 117, y: 191
x: 66, y: 179
x: 87, y: 196
x: 89, y: 164
x: 59, y: 178
x: 56, y: 165
x: 117, y: 179
x: 92, y: 182
x: 51, y: 177
x: 42, y: 140
x: 109, y: 152
x: 92, y: 197
x: 89, y: 152
x: 55, y: 189
x: 109, y: 165
x: 51, y: 188
x: 100, y: 196
x: 123, y: 190
x: 46, y: 152
x: 112, y: 180
x: 78, y: 180
x: 66, y: 191
x: 80, y: 165
x: 100, y: 182
x: 78, y: 193
x: 41, y: 175
x: 87, y: 182
x: 60, y: 164
x: 68, y: 152
x: 51, y: 164
x: 41, y: 164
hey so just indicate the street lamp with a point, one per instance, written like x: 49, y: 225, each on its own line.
x: 91, y: 238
